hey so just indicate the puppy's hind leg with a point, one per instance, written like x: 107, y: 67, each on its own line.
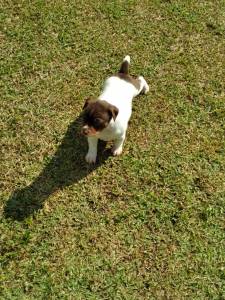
x: 144, y: 88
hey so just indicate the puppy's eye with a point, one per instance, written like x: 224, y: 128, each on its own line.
x: 97, y: 121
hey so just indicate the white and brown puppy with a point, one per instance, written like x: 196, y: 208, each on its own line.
x: 106, y: 118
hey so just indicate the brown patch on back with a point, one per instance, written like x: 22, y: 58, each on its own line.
x: 131, y: 79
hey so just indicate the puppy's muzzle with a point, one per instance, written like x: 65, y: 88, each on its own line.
x: 85, y: 130
x: 89, y: 131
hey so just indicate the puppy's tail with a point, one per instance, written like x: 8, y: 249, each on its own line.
x: 125, y: 65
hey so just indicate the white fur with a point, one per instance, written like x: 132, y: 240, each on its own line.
x: 127, y: 58
x: 119, y: 93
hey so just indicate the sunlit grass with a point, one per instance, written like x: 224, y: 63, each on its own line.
x: 148, y: 224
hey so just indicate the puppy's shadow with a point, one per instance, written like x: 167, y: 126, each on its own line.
x: 66, y: 167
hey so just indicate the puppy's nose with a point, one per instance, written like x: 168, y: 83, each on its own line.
x: 85, y: 130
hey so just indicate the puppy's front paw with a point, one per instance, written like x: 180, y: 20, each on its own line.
x: 117, y: 151
x: 90, y: 158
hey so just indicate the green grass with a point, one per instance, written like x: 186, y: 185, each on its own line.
x: 148, y: 224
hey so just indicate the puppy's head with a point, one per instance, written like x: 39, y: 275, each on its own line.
x: 97, y: 116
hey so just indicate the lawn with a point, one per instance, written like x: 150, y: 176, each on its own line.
x: 148, y: 224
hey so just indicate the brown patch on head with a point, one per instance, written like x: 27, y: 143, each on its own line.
x: 97, y: 115
x: 87, y: 101
x: 131, y: 79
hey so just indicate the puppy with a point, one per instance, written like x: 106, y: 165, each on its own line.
x: 106, y: 118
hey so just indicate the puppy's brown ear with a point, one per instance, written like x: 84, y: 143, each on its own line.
x: 87, y: 101
x: 113, y: 111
